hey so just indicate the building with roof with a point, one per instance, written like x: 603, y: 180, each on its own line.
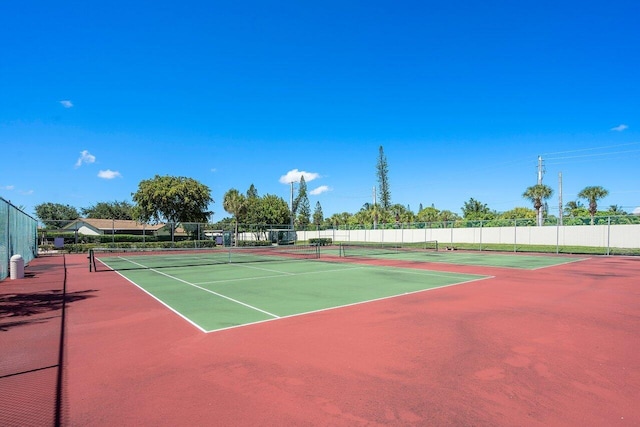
x: 96, y: 227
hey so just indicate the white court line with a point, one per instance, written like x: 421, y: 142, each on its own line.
x: 283, y: 274
x: 260, y: 268
x: 162, y: 302
x: 205, y: 289
x: 401, y: 270
x: 426, y: 273
x: 562, y: 263
x: 350, y: 305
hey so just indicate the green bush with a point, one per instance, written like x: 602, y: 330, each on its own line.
x: 321, y: 241
x: 85, y: 247
x: 254, y: 243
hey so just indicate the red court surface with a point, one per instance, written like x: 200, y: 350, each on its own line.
x: 555, y: 346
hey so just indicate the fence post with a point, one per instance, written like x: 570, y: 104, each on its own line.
x: 557, y: 237
x: 451, y: 232
x: 608, y: 235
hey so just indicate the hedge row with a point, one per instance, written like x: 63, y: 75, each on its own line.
x: 322, y: 241
x: 84, y: 247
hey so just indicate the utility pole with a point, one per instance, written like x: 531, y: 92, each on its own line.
x: 540, y: 174
x: 560, y: 198
x: 540, y: 170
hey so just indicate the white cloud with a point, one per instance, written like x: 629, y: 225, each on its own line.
x: 66, y: 103
x: 85, y: 157
x: 26, y: 193
x: 109, y: 174
x: 8, y: 187
x: 295, y: 175
x: 319, y: 190
x: 620, y: 128
x: 214, y: 170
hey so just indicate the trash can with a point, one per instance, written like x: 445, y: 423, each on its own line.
x: 16, y: 266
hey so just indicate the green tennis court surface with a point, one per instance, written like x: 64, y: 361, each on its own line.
x: 222, y: 296
x: 486, y: 259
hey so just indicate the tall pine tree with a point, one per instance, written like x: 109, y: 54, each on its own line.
x: 301, y: 205
x: 383, y: 180
x: 318, y: 216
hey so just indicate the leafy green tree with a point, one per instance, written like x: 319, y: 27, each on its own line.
x: 593, y: 194
x: 538, y: 194
x: 268, y: 211
x: 616, y: 210
x: 273, y: 210
x: 382, y: 172
x: 261, y: 213
x: 252, y: 202
x: 172, y: 199
x: 56, y: 215
x: 447, y: 216
x: 109, y: 210
x: 428, y: 214
x: 236, y: 204
x: 338, y: 219
x: 575, y: 208
x: 473, y: 209
x: 368, y: 214
x: 401, y: 214
x: 518, y: 213
x: 318, y: 216
x: 223, y: 224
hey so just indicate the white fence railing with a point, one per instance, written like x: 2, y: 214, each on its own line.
x: 626, y: 236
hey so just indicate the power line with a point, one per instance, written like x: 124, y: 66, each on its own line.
x: 594, y: 155
x: 586, y: 156
x: 591, y: 149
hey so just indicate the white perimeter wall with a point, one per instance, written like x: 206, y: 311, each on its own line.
x: 613, y: 236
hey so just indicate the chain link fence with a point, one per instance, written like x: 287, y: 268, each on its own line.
x: 608, y: 234
x: 18, y: 236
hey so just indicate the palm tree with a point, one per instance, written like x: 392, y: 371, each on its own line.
x: 370, y: 213
x: 537, y: 194
x: 592, y: 194
x: 236, y: 204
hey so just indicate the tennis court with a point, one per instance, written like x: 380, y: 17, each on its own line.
x: 430, y: 253
x: 509, y: 346
x: 214, y: 295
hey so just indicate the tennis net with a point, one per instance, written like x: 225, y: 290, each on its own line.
x: 104, y: 259
x: 356, y: 249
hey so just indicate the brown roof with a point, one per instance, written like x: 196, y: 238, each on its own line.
x: 116, y: 224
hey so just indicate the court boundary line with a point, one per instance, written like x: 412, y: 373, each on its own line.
x: 425, y: 261
x: 207, y: 290
x: 162, y: 302
x: 421, y: 272
x: 562, y: 263
x: 348, y: 305
x: 288, y: 274
x: 401, y: 270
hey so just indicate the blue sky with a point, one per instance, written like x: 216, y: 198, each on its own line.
x: 463, y: 96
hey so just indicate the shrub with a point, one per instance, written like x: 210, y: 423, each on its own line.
x: 321, y: 241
